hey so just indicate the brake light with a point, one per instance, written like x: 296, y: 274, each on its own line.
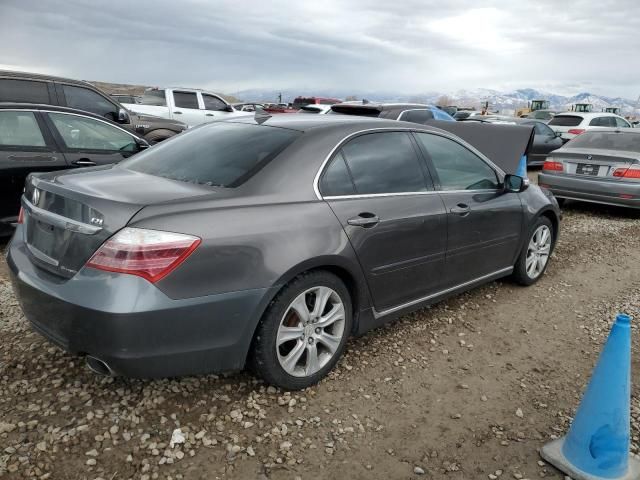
x: 553, y: 166
x: 150, y: 254
x: 21, y: 216
x: 630, y: 172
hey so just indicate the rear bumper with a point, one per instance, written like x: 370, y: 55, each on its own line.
x: 592, y: 189
x: 131, y: 325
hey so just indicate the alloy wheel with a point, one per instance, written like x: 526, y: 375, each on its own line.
x: 538, y: 251
x: 310, y: 331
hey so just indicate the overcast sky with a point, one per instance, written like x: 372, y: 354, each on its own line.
x: 410, y: 46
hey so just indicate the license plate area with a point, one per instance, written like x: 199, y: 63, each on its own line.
x: 588, y: 169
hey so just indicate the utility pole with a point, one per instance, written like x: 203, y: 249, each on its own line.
x: 280, y: 97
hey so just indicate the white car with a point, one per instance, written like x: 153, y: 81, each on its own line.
x: 570, y: 124
x: 190, y: 106
x: 315, y: 108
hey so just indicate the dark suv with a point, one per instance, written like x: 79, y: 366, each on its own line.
x: 22, y: 87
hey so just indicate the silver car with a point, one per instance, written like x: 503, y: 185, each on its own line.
x: 597, y: 166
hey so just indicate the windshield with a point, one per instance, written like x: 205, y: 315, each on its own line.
x: 155, y: 98
x: 565, y: 121
x: 216, y: 154
x: 627, y: 142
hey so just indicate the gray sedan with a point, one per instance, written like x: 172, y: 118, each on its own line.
x: 596, y: 166
x: 267, y: 242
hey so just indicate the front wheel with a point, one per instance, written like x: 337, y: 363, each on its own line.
x: 534, y: 258
x: 304, y: 331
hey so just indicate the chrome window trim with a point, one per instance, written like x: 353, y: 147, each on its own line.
x: 316, y: 181
x: 59, y: 220
x: 404, y: 194
x: 388, y: 311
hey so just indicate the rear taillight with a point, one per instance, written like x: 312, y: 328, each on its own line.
x: 150, y: 254
x: 575, y: 131
x: 552, y: 166
x: 21, y: 216
x: 629, y: 172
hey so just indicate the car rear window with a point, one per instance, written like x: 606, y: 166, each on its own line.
x: 356, y: 110
x: 627, y: 142
x: 216, y: 154
x: 565, y: 121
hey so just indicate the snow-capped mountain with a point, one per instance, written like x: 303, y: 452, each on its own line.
x: 505, y: 102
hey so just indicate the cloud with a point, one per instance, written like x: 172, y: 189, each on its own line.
x: 363, y: 45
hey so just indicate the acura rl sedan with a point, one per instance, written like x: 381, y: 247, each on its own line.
x: 267, y: 242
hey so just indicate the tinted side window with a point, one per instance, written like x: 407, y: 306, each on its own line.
x: 20, y: 129
x: 185, y: 99
x: 213, y: 103
x: 384, y: 163
x: 336, y: 179
x: 621, y: 123
x: 603, y: 122
x: 457, y: 167
x: 23, y: 91
x: 89, y: 134
x: 90, y: 101
x: 416, y: 116
x: 565, y: 120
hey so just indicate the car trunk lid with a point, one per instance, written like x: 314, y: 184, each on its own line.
x: 595, y: 163
x: 69, y: 215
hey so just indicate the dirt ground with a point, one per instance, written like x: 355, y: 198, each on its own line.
x: 468, y: 389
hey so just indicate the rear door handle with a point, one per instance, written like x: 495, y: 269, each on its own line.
x: 365, y: 220
x: 461, y: 209
x: 84, y: 162
x: 178, y: 113
x: 208, y: 114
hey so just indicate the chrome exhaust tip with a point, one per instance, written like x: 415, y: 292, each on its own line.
x: 98, y: 366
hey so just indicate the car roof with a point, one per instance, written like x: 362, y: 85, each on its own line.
x: 589, y: 114
x: 43, y: 77
x: 385, y: 106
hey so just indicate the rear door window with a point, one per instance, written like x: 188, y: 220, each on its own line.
x: 27, y: 91
x: 20, y: 129
x: 566, y: 121
x: 416, y: 116
x: 384, y: 163
x: 603, y: 122
x: 86, y: 99
x: 220, y: 154
x: 458, y: 168
x: 185, y: 99
x: 336, y: 179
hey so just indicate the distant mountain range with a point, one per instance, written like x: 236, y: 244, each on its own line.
x: 505, y: 102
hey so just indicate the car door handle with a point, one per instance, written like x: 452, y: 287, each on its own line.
x: 208, y: 114
x: 178, y: 113
x: 365, y: 220
x: 84, y: 162
x: 461, y: 209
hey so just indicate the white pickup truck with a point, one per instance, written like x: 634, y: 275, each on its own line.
x: 190, y: 106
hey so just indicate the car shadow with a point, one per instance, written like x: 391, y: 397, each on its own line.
x: 575, y: 206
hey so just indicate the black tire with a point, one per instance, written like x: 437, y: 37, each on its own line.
x: 156, y: 136
x: 520, y: 274
x: 561, y: 201
x: 264, y: 353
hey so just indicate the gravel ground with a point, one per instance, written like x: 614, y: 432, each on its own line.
x: 470, y: 388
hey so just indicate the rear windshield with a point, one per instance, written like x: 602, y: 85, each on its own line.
x: 355, y: 110
x: 217, y: 154
x: 627, y: 142
x: 566, y: 120
x: 155, y: 98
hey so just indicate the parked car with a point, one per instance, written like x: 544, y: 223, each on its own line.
x: 544, y: 115
x: 126, y: 98
x: 600, y: 166
x: 129, y: 265
x: 464, y: 114
x: 44, y: 138
x: 22, y: 87
x: 191, y: 106
x: 570, y: 124
x: 247, y: 107
x: 313, y: 108
x: 300, y: 102
x: 408, y: 112
x: 545, y: 140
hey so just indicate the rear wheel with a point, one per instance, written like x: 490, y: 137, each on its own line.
x: 304, y: 331
x: 534, y: 257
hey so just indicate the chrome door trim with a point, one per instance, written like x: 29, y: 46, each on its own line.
x: 388, y: 311
x: 59, y: 220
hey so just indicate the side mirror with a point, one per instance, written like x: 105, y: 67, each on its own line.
x: 123, y: 116
x: 229, y: 108
x: 142, y: 144
x: 515, y: 184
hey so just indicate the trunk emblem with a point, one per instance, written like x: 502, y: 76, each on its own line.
x: 35, y: 196
x: 97, y: 221
x: 589, y: 157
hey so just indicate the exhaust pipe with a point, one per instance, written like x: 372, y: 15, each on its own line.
x: 98, y: 366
